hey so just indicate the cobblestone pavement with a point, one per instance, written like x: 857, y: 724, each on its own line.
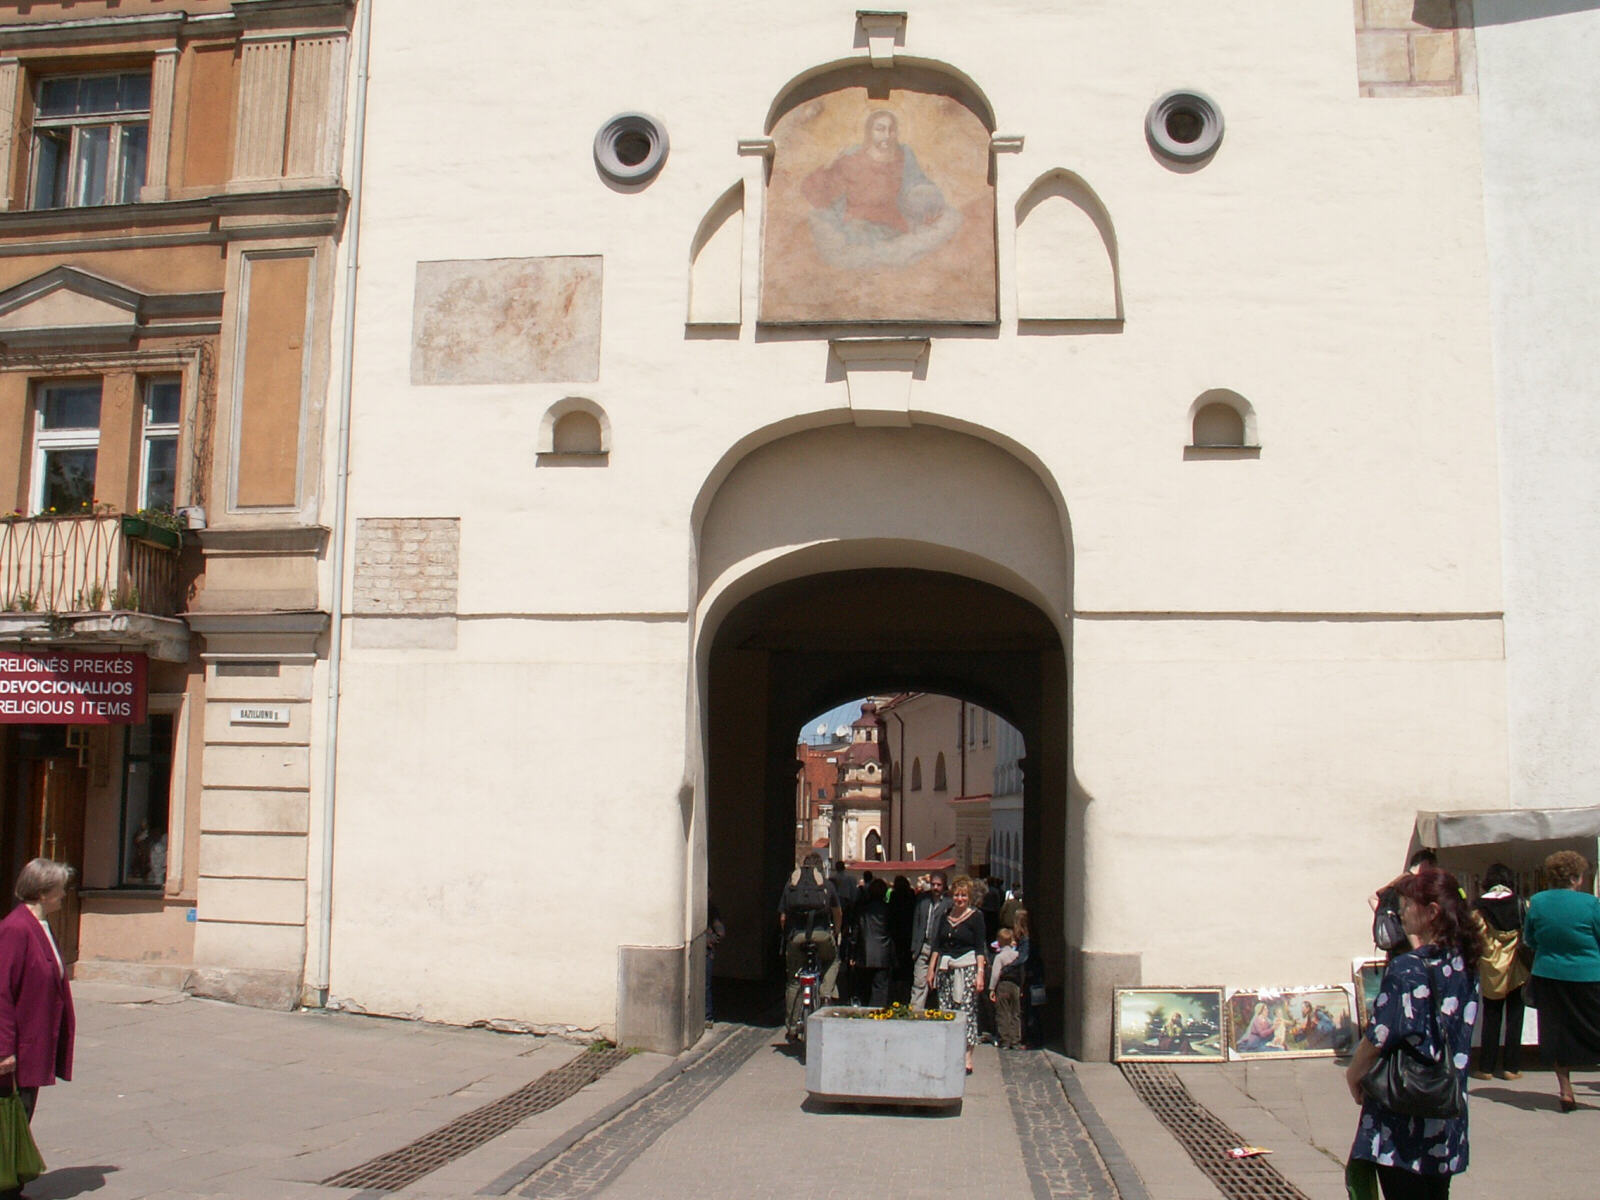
x: 1060, y: 1156
x: 759, y: 1135
x: 181, y: 1099
x: 588, y: 1166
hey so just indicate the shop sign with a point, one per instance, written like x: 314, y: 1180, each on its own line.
x: 61, y: 687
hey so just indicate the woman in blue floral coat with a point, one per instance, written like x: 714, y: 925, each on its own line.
x: 1428, y: 1000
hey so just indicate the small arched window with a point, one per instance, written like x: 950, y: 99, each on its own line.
x: 874, y: 846
x: 916, y: 774
x: 940, y: 784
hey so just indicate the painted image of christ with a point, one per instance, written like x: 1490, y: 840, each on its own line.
x: 873, y: 206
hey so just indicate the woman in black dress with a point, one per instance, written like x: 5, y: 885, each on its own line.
x: 957, y: 964
x: 1562, y: 928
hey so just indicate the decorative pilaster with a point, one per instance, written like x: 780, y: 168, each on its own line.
x: 317, y: 116
x: 9, y: 71
x: 162, y: 73
x: 263, y: 109
x: 1005, y: 152
x: 757, y: 154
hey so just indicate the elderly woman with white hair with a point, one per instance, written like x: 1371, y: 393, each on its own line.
x: 36, y: 1018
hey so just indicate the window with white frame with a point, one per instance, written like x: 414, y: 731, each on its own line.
x: 158, y: 471
x: 90, y: 138
x: 66, y: 446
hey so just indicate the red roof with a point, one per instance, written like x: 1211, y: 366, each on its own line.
x: 902, y: 865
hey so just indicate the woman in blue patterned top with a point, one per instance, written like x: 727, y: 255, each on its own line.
x: 1429, y: 1001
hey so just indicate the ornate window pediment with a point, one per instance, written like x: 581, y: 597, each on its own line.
x: 68, y: 306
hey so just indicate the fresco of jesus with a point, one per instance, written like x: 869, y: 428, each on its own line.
x: 873, y: 206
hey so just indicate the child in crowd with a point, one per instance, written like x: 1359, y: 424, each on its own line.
x: 1006, y: 992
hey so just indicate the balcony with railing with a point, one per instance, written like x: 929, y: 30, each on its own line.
x: 101, y: 579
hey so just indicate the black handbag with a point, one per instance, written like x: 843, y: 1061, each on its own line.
x: 1406, y: 1083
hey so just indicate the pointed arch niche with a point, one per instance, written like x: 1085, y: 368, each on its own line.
x: 1066, y: 253
x: 716, y: 259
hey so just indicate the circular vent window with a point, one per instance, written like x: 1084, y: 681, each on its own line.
x: 1183, y: 126
x: 630, y: 148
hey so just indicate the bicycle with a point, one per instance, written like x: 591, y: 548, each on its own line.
x: 808, y: 997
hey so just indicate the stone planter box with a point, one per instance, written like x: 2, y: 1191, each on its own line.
x: 884, y: 1062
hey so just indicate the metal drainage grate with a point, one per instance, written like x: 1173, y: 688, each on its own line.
x: 1205, y: 1138
x: 400, y: 1168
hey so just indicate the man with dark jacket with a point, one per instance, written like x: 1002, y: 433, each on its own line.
x: 932, y: 907
x: 875, y: 949
x: 809, y: 915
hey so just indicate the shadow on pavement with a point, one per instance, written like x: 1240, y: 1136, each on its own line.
x: 919, y: 1111
x: 68, y: 1182
x: 1527, y: 1101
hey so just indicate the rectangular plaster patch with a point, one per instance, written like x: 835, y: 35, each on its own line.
x: 507, y: 320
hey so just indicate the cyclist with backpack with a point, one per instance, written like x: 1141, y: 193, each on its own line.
x: 809, y: 915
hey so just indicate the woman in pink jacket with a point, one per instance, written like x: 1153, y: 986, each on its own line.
x: 36, y: 1017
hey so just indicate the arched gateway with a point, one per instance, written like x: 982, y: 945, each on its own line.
x: 839, y: 560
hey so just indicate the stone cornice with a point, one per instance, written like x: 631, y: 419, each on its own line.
x: 92, y: 30
x: 299, y: 621
x: 263, y: 539
x: 233, y: 216
x: 247, y: 15
x: 162, y: 638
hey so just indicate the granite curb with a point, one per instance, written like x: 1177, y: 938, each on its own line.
x: 554, y: 1149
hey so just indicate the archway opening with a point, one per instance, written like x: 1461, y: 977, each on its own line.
x: 803, y: 646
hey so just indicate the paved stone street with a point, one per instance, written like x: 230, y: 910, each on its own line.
x: 183, y: 1099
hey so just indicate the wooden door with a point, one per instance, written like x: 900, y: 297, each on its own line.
x: 56, y: 832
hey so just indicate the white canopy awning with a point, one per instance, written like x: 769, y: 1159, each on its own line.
x: 1440, y: 829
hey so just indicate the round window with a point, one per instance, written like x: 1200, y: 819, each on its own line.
x: 1183, y: 126
x: 630, y: 148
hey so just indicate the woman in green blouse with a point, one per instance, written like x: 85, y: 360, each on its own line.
x: 1563, y: 931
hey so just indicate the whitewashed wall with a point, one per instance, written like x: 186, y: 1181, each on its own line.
x: 1277, y: 660
x: 1541, y: 191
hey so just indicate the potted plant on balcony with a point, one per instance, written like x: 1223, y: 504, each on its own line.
x: 155, y: 527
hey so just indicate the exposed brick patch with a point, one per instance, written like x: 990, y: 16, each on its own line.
x: 1414, y: 48
x: 407, y: 565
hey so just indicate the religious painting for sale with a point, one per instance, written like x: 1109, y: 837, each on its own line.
x: 1300, y: 1022
x: 1168, y: 1025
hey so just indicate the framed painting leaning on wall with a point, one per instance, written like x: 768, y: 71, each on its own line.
x: 1167, y: 1025
x: 1366, y: 974
x: 1298, y: 1022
